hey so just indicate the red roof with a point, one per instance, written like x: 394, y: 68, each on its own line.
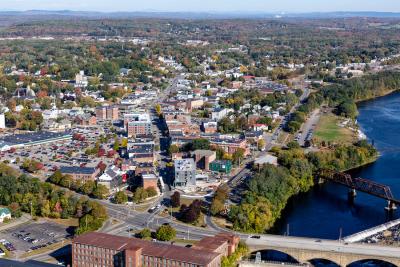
x: 159, y: 250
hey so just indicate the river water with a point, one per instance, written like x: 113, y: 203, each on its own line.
x: 325, y: 212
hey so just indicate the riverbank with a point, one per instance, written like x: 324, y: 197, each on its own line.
x: 324, y: 211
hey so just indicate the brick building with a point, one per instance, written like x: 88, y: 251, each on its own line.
x: 85, y: 120
x: 137, y: 124
x: 203, y: 158
x: 230, y: 145
x: 80, y: 173
x: 149, y: 180
x: 107, y: 113
x: 99, y: 249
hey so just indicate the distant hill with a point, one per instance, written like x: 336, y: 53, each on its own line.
x: 45, y: 14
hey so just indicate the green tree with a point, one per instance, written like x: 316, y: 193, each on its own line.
x: 145, y: 233
x: 165, y: 233
x: 100, y: 191
x: 120, y: 197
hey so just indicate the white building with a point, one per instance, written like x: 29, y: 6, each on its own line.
x: 219, y: 113
x: 2, y: 121
x: 81, y: 80
x: 4, y: 214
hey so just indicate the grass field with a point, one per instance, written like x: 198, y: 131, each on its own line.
x: 328, y: 130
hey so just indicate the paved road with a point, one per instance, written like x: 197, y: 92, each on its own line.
x: 323, y: 245
x: 309, y: 126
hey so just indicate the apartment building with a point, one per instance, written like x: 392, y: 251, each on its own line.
x: 137, y: 124
x: 107, y: 113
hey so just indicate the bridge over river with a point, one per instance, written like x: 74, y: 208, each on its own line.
x: 305, y: 250
x: 362, y: 185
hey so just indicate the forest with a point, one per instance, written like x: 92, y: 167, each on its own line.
x: 270, y: 189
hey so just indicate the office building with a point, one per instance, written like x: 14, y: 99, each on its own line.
x: 185, y: 173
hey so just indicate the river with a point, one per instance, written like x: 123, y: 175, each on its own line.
x: 324, y: 211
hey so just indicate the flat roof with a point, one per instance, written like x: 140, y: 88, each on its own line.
x: 26, y: 138
x: 73, y: 169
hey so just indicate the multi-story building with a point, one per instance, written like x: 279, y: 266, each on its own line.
x: 149, y: 180
x: 210, y: 127
x: 80, y: 173
x: 203, y: 158
x: 100, y: 249
x: 219, y: 113
x: 85, y: 120
x: 230, y: 145
x: 137, y: 124
x: 185, y: 173
x: 107, y: 113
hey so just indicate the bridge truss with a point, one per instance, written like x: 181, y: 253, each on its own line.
x: 360, y: 184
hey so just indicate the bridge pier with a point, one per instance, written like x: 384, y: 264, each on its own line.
x: 352, y: 193
x: 391, y: 206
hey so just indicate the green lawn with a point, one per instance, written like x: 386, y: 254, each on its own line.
x: 328, y: 130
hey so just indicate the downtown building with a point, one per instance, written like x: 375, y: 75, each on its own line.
x: 105, y: 250
x: 137, y: 124
x: 107, y: 113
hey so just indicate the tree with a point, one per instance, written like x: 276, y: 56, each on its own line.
x: 176, y: 199
x: 293, y: 145
x: 145, y: 233
x: 56, y: 177
x: 216, y: 207
x: 116, y: 144
x: 261, y: 144
x: 151, y: 191
x: 173, y: 149
x: 165, y: 233
x: 157, y: 107
x: 238, y: 155
x: 347, y: 109
x: 192, y: 213
x: 88, y: 187
x: 100, y: 191
x: 218, y: 202
x: 120, y: 197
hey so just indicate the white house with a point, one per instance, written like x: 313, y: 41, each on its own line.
x: 4, y: 214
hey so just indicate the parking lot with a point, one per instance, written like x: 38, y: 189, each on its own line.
x: 32, y: 236
x: 61, y: 153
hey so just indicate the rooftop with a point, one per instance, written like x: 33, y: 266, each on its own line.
x: 19, y: 139
x: 184, y: 165
x: 199, y: 257
x: 81, y: 170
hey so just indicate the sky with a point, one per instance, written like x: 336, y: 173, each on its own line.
x: 262, y: 6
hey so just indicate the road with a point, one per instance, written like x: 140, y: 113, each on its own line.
x: 271, y: 139
x: 309, y: 126
x: 322, y: 245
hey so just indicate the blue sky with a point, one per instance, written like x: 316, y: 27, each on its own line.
x: 205, y: 5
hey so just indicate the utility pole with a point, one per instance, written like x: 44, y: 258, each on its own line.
x: 31, y: 209
x: 287, y: 230
x: 340, y: 234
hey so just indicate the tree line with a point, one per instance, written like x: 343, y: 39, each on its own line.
x: 42, y: 199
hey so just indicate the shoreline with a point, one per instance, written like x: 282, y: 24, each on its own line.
x: 361, y: 101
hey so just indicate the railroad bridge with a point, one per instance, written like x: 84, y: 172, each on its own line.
x: 362, y: 185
